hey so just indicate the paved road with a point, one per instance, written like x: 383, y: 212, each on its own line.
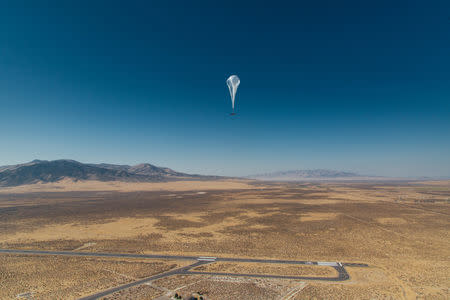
x: 141, y: 281
x: 342, y: 275
x: 339, y: 267
x: 175, y: 257
x: 102, y: 254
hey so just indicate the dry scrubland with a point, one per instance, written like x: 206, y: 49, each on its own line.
x: 270, y: 269
x: 50, y: 277
x: 402, y: 230
x: 224, y: 287
x: 69, y: 185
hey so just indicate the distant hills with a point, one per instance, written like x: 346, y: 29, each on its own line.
x: 308, y: 175
x: 43, y: 171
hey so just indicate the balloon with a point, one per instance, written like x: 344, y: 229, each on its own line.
x: 233, y: 82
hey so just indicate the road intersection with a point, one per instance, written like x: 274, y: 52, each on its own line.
x: 198, y: 261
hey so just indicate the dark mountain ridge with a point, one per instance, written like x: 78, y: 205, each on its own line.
x: 51, y: 171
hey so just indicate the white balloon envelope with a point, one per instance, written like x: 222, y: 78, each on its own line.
x: 233, y: 82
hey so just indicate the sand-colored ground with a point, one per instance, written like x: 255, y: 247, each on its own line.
x: 436, y: 182
x: 140, y: 292
x: 402, y: 230
x: 368, y: 283
x: 226, y: 287
x: 121, y: 228
x: 274, y: 269
x: 68, y: 185
x: 392, y: 221
x: 318, y: 217
x: 49, y: 277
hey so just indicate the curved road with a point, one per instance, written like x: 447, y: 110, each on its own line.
x: 339, y: 267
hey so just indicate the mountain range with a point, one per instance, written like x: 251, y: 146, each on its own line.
x: 44, y: 171
x: 317, y: 174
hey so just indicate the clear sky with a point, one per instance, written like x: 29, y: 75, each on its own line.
x: 347, y: 85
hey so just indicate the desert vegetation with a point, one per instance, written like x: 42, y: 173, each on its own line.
x: 401, y: 230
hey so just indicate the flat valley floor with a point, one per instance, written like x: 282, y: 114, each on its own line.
x: 401, y: 230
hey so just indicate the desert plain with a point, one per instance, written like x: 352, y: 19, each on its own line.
x: 400, y: 229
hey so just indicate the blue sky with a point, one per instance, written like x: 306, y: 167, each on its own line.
x: 346, y: 85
